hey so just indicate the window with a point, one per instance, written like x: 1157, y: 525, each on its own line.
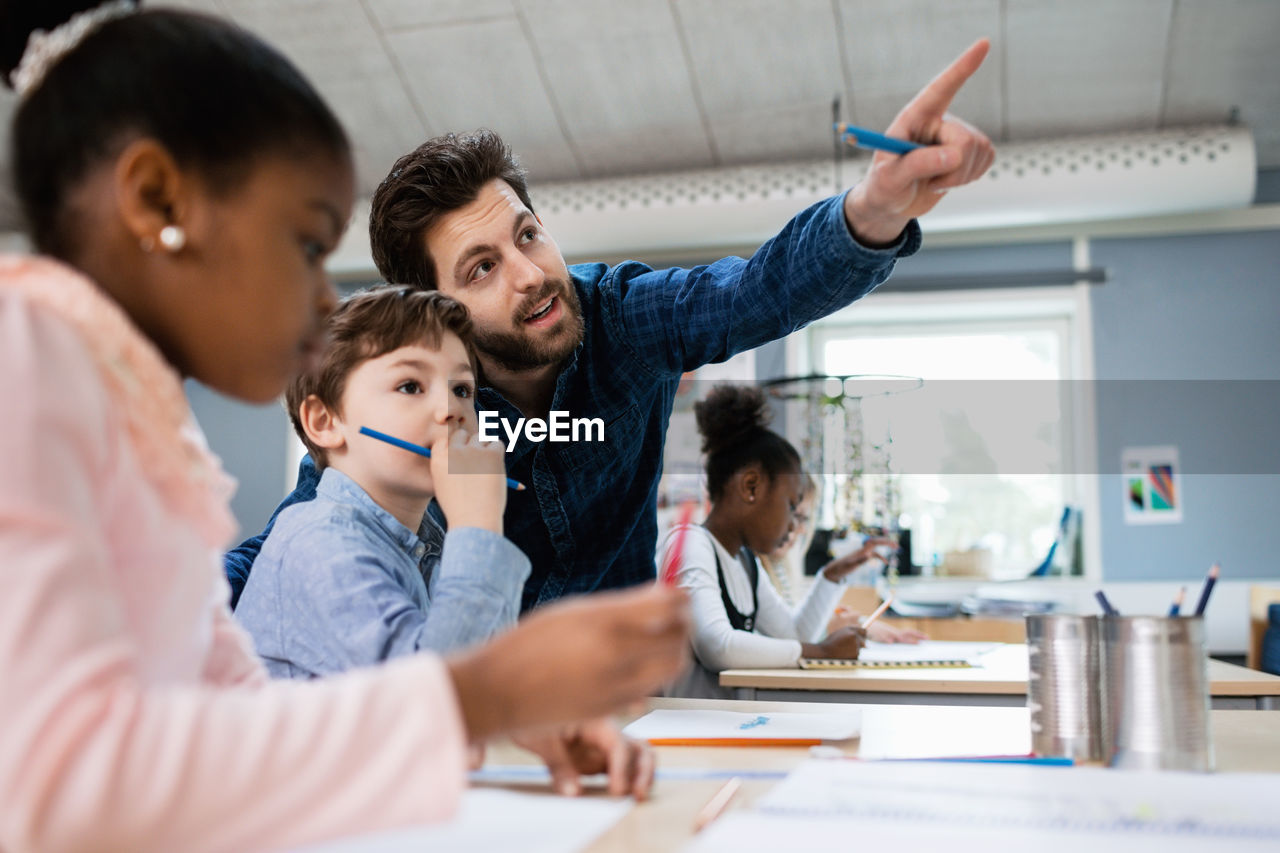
x: 979, y: 455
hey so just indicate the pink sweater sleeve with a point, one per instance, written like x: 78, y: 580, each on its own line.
x: 231, y: 659
x: 99, y: 753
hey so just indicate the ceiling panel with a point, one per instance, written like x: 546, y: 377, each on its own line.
x: 614, y: 87
x: 1093, y: 64
x: 1218, y: 60
x: 403, y: 14
x: 483, y: 74
x: 620, y: 80
x: 766, y: 73
x: 338, y: 48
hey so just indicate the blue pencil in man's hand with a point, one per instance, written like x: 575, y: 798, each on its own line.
x: 418, y: 449
x: 864, y: 138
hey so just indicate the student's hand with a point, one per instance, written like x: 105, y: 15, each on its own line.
x: 470, y: 479
x: 840, y: 568
x: 596, y: 746
x: 845, y: 643
x: 898, y: 188
x: 574, y: 660
x: 882, y: 632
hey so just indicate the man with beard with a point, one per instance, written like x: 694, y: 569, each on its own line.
x: 612, y: 343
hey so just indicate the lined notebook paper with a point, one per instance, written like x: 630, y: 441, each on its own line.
x: 930, y: 653
x: 837, y: 663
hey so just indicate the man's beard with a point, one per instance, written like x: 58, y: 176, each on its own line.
x: 520, y: 351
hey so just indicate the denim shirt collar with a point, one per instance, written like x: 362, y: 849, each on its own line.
x: 341, y: 489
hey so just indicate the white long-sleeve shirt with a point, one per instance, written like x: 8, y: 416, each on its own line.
x: 778, y: 631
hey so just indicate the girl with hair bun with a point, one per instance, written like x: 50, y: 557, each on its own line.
x: 183, y: 184
x: 755, y: 484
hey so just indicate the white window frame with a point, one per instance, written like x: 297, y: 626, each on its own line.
x: 1065, y: 309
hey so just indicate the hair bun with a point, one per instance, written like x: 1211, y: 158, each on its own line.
x: 729, y: 414
x: 20, y: 18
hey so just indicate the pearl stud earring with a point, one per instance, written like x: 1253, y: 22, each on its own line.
x: 173, y: 238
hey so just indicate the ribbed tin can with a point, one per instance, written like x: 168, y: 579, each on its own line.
x: 1064, y: 686
x: 1157, y: 692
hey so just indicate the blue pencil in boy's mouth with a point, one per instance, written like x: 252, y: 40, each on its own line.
x: 418, y: 449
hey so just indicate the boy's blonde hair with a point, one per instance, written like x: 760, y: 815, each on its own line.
x: 367, y: 324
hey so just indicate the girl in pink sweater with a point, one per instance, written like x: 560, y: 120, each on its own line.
x: 183, y: 185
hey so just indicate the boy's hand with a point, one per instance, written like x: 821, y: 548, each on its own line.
x: 574, y: 660
x: 596, y: 746
x: 470, y: 479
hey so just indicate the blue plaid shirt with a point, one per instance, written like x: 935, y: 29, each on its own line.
x: 588, y: 520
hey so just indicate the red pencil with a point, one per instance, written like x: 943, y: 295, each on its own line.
x: 672, y: 564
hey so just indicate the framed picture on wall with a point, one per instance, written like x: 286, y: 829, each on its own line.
x: 1152, y: 485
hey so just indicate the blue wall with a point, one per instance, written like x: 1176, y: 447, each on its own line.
x: 252, y: 442
x: 1203, y: 307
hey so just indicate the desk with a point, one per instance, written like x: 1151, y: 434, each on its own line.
x: 1002, y: 681
x: 1243, y: 742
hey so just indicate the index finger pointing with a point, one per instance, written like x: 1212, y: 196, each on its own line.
x: 934, y: 99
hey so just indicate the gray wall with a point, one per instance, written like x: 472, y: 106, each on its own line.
x: 1192, y: 308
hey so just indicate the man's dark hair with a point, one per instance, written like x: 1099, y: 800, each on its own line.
x: 438, y: 177
x: 213, y: 94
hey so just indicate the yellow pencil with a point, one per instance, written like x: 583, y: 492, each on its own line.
x: 875, y: 614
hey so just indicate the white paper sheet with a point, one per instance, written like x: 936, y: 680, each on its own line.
x: 709, y: 725
x: 963, y: 807
x: 750, y: 832
x: 490, y: 820
x: 931, y: 731
x: 927, y: 650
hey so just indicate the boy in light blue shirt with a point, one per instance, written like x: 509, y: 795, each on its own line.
x: 365, y: 572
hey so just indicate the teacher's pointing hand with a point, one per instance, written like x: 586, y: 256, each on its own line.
x: 899, y: 188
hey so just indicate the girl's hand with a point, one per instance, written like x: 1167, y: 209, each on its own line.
x: 838, y: 569
x: 883, y: 633
x: 879, y: 631
x: 596, y: 746
x: 574, y: 660
x: 845, y: 644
